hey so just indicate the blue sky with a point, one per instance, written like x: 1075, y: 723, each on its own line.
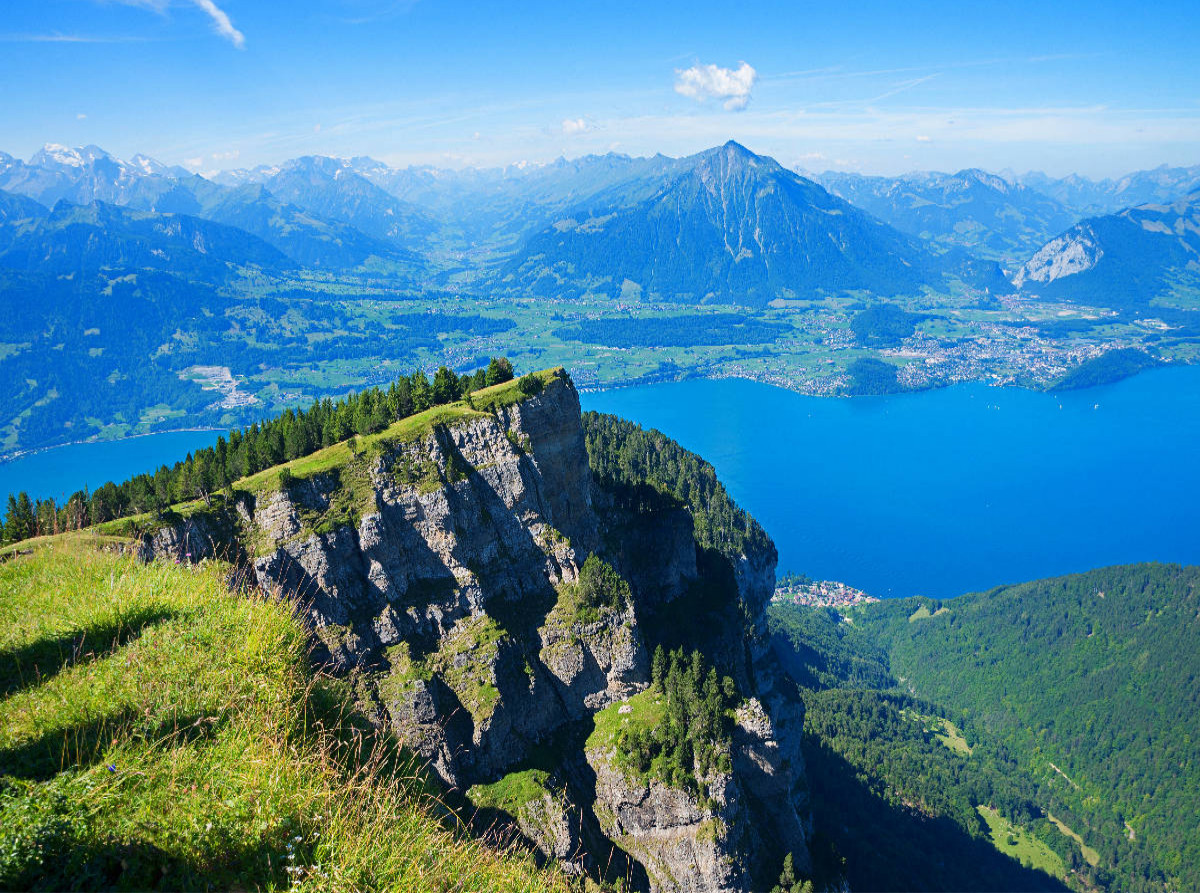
x: 881, y: 87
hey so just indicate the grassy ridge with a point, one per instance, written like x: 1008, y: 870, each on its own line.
x: 348, y: 462
x: 159, y: 731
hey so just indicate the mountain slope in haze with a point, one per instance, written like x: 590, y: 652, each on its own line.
x: 306, y: 237
x: 1161, y: 185
x: 85, y: 175
x: 301, y: 235
x: 1124, y: 260
x: 495, y: 207
x: 729, y: 226
x: 330, y: 189
x: 99, y: 236
x: 15, y: 207
x: 970, y: 209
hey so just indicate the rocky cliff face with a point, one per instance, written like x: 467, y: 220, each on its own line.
x: 1075, y: 251
x: 683, y: 845
x: 718, y: 842
x: 444, y: 568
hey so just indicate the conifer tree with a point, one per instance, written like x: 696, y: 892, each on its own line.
x: 445, y: 386
x: 499, y: 370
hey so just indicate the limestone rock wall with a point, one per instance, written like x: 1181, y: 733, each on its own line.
x: 684, y: 847
x: 439, y: 570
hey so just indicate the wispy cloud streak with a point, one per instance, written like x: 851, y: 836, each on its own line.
x: 223, y: 24
x: 67, y: 38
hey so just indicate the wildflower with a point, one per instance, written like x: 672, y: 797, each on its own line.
x: 112, y: 767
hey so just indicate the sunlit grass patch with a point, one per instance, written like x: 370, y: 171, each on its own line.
x: 1019, y: 844
x: 158, y: 731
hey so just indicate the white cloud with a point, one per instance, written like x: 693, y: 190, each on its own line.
x: 922, y: 138
x: 220, y: 18
x: 704, y: 82
x: 572, y: 126
x: 226, y: 156
x: 224, y: 25
x: 193, y: 164
x: 80, y: 117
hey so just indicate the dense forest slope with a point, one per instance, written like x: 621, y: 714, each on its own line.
x: 1077, y: 695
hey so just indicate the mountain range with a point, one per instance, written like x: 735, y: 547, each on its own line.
x: 88, y: 175
x: 106, y: 237
x: 730, y: 226
x: 332, y: 190
x: 971, y: 209
x: 723, y: 225
x: 1162, y: 185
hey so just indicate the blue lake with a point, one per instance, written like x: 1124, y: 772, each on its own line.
x: 938, y: 492
x: 948, y: 491
x: 64, y: 470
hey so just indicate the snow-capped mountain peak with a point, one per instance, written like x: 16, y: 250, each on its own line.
x: 54, y: 155
x: 144, y: 164
x: 57, y: 154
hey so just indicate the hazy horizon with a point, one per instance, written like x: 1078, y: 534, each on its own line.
x: 1062, y: 88
x: 1008, y: 173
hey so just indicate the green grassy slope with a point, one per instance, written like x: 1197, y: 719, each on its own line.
x: 160, y: 732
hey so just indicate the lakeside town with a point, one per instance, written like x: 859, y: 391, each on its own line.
x: 799, y: 590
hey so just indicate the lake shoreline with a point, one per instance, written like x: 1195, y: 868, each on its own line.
x: 948, y: 490
x: 651, y: 380
x: 641, y: 382
x: 37, y: 451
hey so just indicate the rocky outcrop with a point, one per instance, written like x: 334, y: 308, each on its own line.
x: 1075, y: 251
x: 734, y: 837
x: 202, y: 535
x: 442, y: 564
x: 594, y: 663
x: 769, y: 766
x: 551, y: 822
x: 684, y: 846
